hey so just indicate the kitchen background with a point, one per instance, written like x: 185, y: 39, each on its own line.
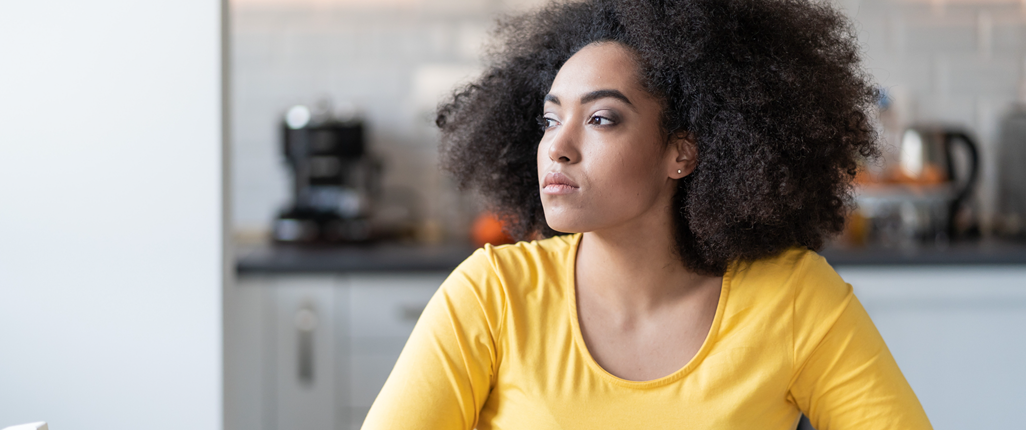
x: 311, y: 333
x: 957, y: 61
x: 125, y: 303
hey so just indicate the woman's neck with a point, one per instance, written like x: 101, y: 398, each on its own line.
x: 636, y: 270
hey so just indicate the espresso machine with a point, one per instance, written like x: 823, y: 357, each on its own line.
x: 335, y: 179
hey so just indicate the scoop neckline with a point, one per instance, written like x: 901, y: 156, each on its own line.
x: 571, y: 285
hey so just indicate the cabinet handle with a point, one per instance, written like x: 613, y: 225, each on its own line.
x: 306, y: 323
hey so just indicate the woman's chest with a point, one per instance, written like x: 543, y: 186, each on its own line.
x: 546, y: 379
x: 649, y: 346
x: 736, y: 395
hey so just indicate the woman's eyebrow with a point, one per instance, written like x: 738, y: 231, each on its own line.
x: 594, y: 95
x: 599, y: 94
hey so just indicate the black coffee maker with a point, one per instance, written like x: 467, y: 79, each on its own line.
x: 335, y: 179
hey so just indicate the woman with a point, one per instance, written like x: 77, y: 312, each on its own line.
x: 690, y: 155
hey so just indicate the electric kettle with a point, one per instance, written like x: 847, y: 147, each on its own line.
x: 927, y: 155
x: 927, y: 186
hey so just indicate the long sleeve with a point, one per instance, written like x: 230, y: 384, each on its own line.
x: 845, y: 377
x: 446, y: 370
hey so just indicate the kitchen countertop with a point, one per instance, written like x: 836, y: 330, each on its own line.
x: 377, y: 257
x: 398, y: 257
x: 959, y: 253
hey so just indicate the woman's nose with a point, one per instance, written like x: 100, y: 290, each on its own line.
x: 564, y: 145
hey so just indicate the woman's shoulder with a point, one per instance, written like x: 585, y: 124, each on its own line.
x: 800, y: 274
x: 527, y: 256
x: 798, y: 284
x: 523, y: 263
x: 552, y: 246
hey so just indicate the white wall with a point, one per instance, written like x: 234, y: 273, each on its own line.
x: 111, y: 214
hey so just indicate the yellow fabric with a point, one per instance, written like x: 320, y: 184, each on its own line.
x: 499, y: 347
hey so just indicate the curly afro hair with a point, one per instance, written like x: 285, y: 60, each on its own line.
x: 771, y: 91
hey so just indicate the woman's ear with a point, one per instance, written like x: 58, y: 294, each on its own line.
x: 685, y: 154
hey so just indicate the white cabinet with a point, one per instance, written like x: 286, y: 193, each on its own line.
x: 958, y: 334
x: 382, y: 312
x: 311, y: 352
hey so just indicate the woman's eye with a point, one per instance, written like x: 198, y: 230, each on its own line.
x: 600, y: 120
x: 545, y: 122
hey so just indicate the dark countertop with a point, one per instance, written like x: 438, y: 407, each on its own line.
x: 959, y: 253
x: 379, y: 257
x: 396, y: 257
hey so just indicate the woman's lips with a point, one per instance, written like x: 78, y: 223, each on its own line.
x: 558, y: 183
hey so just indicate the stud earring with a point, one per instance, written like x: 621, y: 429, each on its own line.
x: 678, y: 171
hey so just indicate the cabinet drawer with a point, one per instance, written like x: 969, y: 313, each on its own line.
x: 302, y: 390
x: 389, y: 305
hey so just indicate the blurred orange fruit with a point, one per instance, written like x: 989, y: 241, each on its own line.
x: 488, y: 228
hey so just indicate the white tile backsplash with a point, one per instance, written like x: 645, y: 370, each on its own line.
x: 972, y: 75
x: 953, y: 32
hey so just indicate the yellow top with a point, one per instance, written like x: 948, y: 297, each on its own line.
x: 499, y: 347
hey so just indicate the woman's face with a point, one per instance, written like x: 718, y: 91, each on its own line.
x: 604, y: 161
